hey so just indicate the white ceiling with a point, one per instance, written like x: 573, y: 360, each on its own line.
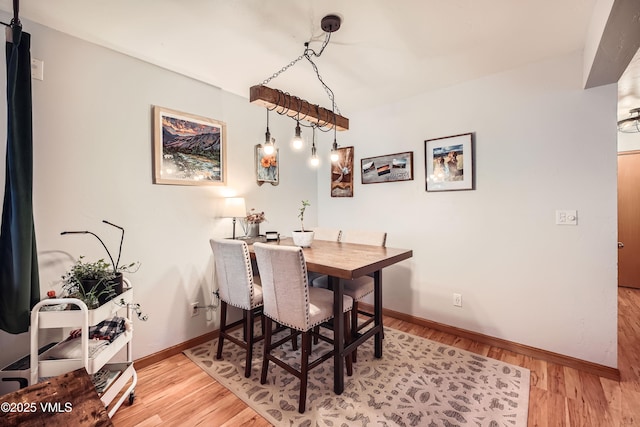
x: 383, y: 52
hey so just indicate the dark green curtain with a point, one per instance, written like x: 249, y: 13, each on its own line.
x: 19, y: 283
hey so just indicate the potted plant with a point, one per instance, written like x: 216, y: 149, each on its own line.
x: 302, y: 237
x: 96, y: 282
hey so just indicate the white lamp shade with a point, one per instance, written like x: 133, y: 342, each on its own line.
x: 234, y: 207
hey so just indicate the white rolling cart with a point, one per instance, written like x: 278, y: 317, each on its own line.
x: 45, y: 315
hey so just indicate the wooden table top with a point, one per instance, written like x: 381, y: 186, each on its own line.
x: 347, y: 260
x: 66, y: 400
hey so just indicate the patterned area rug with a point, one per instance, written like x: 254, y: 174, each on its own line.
x: 417, y: 382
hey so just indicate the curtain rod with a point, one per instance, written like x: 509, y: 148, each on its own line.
x: 16, y: 13
x: 16, y: 18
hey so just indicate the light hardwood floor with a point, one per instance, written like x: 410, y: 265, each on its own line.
x: 176, y: 392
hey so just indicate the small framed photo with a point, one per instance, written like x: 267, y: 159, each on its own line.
x: 342, y: 173
x: 449, y: 163
x: 188, y: 149
x: 389, y: 168
x: 267, y: 166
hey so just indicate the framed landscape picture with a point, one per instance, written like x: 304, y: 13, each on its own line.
x: 389, y: 168
x: 342, y: 173
x: 188, y: 149
x: 449, y: 163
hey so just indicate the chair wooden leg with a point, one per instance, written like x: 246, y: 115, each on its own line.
x: 244, y: 328
x: 294, y: 341
x: 316, y: 330
x: 249, y: 327
x: 304, y: 370
x: 347, y: 340
x: 223, y: 328
x: 267, y: 349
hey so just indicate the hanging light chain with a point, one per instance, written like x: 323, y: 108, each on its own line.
x: 307, y: 54
x: 282, y: 70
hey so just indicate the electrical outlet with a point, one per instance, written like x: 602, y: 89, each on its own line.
x: 457, y: 300
x: 194, y: 309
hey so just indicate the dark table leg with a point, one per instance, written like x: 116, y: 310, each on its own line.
x: 338, y: 334
x: 377, y: 312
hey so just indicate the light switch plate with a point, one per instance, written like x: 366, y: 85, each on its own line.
x: 567, y: 217
x: 37, y: 69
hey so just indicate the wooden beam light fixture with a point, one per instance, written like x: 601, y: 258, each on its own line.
x: 284, y: 103
x: 292, y: 106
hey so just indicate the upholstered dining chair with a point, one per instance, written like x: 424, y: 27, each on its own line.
x: 362, y: 286
x: 239, y: 288
x: 323, y: 233
x: 289, y: 300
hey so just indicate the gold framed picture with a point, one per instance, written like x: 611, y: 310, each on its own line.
x: 188, y: 149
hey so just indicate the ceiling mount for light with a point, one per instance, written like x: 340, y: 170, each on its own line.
x: 330, y: 23
x: 632, y: 123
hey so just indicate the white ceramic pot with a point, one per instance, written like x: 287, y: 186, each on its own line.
x: 302, y: 238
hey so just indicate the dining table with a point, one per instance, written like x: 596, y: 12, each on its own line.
x: 338, y: 260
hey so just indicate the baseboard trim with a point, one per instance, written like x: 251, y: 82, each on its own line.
x: 572, y: 362
x: 145, y: 361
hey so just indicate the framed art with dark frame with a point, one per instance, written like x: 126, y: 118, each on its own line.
x: 389, y: 168
x: 188, y: 149
x: 342, y: 173
x: 449, y: 164
x: 267, y: 166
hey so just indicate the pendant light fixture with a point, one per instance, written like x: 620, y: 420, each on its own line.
x: 297, y: 141
x: 632, y: 123
x: 268, y: 146
x: 334, y: 151
x: 314, y: 155
x: 286, y: 104
x: 334, y: 148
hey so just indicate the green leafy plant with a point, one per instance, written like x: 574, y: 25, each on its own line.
x: 96, y: 282
x: 93, y: 282
x: 89, y: 282
x: 305, y: 205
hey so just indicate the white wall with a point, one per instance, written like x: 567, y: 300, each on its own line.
x: 93, y: 161
x: 542, y: 143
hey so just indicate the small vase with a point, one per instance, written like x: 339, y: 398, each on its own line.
x: 253, y: 230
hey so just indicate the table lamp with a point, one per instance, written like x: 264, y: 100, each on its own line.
x: 234, y: 207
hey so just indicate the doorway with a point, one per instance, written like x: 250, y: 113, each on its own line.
x: 629, y: 219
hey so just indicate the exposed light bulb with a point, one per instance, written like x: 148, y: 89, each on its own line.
x: 334, y: 152
x: 315, y: 161
x: 268, y: 147
x: 297, y: 142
